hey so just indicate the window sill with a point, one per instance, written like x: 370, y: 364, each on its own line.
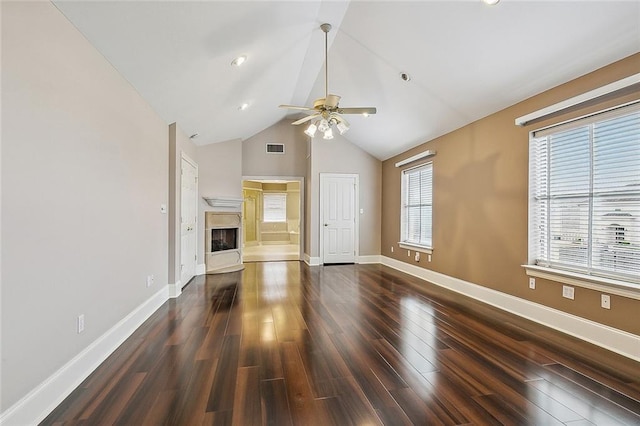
x: 605, y: 285
x: 415, y: 247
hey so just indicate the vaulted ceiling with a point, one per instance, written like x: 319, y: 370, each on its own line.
x: 465, y: 59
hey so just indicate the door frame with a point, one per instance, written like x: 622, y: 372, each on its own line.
x: 356, y: 195
x: 300, y: 180
x: 185, y: 157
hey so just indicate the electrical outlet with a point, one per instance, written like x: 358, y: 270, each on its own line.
x: 417, y: 257
x: 429, y: 258
x: 605, y: 301
x: 567, y: 292
x: 150, y: 280
x: 80, y: 323
x: 408, y: 253
x: 391, y: 249
x: 532, y: 283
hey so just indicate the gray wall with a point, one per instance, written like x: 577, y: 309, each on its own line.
x: 256, y: 162
x: 84, y: 172
x: 219, y: 175
x: 341, y: 156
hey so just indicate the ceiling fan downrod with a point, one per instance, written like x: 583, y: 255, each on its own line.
x: 326, y: 28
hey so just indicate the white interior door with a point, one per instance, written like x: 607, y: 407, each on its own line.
x: 188, y: 220
x: 338, y: 203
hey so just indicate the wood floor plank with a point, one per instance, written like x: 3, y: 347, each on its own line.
x: 275, y: 405
x: 299, y: 396
x: 282, y: 343
x: 224, y: 383
x: 191, y: 401
x: 247, y: 404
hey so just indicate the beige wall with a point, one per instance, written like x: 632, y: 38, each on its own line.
x: 179, y: 144
x: 341, y: 156
x: 480, y: 204
x: 256, y: 162
x: 293, y: 200
x: 84, y: 173
x: 219, y: 175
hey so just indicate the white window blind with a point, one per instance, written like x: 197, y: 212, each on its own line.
x: 274, y: 207
x: 417, y: 205
x: 584, y: 210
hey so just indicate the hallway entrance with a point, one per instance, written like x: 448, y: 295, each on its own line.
x: 272, y: 219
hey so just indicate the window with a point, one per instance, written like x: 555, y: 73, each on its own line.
x: 417, y: 206
x: 584, y: 210
x: 275, y: 207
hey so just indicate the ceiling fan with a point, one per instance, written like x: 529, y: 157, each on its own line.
x: 326, y: 112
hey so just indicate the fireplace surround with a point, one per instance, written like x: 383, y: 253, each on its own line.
x: 223, y: 236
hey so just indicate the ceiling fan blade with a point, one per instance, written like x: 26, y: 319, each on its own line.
x: 305, y: 119
x: 301, y: 108
x: 367, y: 110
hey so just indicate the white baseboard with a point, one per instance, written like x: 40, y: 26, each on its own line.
x: 610, y: 338
x: 372, y: 258
x: 175, y: 289
x: 44, y: 398
x: 201, y: 269
x: 311, y: 261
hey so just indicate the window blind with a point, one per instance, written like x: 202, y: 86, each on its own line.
x: 274, y: 207
x: 585, y: 195
x: 417, y: 206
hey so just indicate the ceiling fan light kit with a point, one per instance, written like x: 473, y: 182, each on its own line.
x: 326, y: 112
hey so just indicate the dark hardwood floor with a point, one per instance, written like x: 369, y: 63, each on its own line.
x: 283, y: 343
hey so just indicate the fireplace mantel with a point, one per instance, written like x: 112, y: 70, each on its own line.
x: 224, y: 203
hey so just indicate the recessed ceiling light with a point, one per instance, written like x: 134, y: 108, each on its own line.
x: 490, y: 2
x: 405, y: 77
x: 243, y: 107
x: 238, y: 61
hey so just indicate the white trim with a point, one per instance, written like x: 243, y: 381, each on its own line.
x: 610, y: 338
x: 605, y: 285
x: 201, y: 269
x: 174, y: 290
x: 311, y: 261
x: 580, y: 99
x: 224, y: 203
x: 425, y: 154
x: 372, y: 258
x: 415, y: 247
x: 44, y: 398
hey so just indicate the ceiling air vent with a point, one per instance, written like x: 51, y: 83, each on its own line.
x: 275, y: 148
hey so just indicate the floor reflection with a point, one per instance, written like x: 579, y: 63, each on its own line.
x: 285, y: 343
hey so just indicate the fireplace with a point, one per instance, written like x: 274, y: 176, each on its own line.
x: 223, y: 236
x: 224, y: 239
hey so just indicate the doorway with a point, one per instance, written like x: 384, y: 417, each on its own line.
x: 272, y: 219
x: 338, y: 219
x: 188, y: 218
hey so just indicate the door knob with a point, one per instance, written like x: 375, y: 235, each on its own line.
x: 326, y: 224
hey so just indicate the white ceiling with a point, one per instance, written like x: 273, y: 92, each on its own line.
x: 466, y: 59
